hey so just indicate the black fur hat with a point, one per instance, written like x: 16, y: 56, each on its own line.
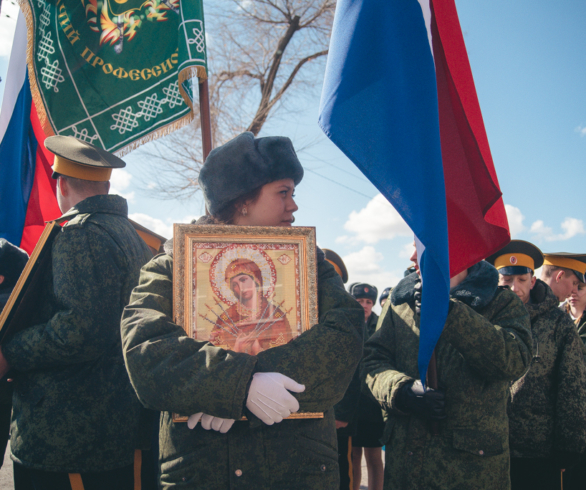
x: 12, y: 262
x: 244, y: 164
x: 363, y: 290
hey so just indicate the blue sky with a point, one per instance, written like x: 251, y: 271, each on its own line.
x: 528, y: 64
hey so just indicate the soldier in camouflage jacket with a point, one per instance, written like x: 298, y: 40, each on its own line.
x: 74, y: 408
x: 247, y: 182
x: 547, y: 413
x: 485, y: 344
x: 174, y: 373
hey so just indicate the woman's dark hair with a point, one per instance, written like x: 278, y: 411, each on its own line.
x: 227, y: 214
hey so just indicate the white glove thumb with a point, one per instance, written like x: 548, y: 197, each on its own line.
x: 269, y: 399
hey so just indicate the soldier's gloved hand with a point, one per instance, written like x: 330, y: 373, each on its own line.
x: 566, y: 460
x: 269, y: 399
x: 210, y: 422
x: 428, y: 405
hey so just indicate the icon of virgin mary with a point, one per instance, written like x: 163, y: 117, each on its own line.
x: 252, y: 323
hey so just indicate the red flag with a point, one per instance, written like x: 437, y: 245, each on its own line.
x: 477, y: 222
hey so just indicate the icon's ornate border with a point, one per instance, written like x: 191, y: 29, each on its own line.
x: 185, y: 234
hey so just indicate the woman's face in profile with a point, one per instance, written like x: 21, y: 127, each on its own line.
x: 243, y: 287
x: 274, y: 206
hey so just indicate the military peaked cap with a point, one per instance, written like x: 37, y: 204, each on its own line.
x: 81, y: 160
x: 245, y: 164
x: 516, y: 258
x: 362, y: 290
x: 334, y: 259
x: 575, y: 262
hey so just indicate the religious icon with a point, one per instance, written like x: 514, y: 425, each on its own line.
x: 245, y: 289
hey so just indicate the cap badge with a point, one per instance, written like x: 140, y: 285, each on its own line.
x: 513, y: 259
x: 366, y: 290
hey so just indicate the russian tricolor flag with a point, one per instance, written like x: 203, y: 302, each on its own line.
x: 27, y: 192
x: 399, y: 101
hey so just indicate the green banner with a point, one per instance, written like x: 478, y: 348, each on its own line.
x: 115, y: 73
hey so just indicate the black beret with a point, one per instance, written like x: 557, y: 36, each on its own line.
x: 12, y: 262
x: 363, y: 290
x: 244, y: 164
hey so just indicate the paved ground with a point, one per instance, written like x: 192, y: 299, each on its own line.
x: 6, y: 474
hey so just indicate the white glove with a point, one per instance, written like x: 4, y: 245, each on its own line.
x: 210, y: 422
x: 269, y: 399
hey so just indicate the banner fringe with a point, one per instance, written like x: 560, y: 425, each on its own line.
x: 159, y: 133
x: 185, y: 74
x: 32, y: 76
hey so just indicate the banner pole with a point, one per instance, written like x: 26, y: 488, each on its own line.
x: 432, y: 383
x: 205, y: 118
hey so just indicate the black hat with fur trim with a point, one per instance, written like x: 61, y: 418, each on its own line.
x: 12, y: 262
x: 244, y: 164
x: 362, y: 290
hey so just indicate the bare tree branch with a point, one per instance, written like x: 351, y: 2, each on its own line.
x: 259, y: 54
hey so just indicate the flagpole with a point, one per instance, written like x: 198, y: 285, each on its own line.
x: 205, y: 118
x: 432, y: 383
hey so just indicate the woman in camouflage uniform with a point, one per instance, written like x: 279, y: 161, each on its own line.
x: 248, y: 181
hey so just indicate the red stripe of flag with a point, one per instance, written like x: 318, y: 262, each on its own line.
x: 477, y: 222
x: 42, y: 205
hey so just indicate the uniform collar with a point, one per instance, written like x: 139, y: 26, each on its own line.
x: 104, y: 203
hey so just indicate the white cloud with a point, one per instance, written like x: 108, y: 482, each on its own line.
x: 515, y: 218
x: 164, y: 228
x: 153, y: 224
x: 407, y: 251
x: 570, y: 226
x: 7, y: 27
x: 377, y: 221
x: 119, y: 182
x: 365, y: 266
x: 581, y: 130
x: 120, y: 179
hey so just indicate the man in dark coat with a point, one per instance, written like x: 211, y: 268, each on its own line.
x: 370, y: 423
x: 346, y: 409
x: 547, y: 413
x: 12, y: 262
x: 485, y: 344
x: 75, y: 414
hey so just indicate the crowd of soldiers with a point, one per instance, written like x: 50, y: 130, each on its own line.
x: 526, y: 399
x: 88, y: 391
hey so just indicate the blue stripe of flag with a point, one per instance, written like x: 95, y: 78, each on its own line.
x: 379, y: 106
x: 18, y: 151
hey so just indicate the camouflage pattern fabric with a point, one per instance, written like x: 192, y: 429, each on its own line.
x: 479, y: 353
x: 74, y: 408
x: 547, y: 413
x: 174, y: 373
x: 581, y: 327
